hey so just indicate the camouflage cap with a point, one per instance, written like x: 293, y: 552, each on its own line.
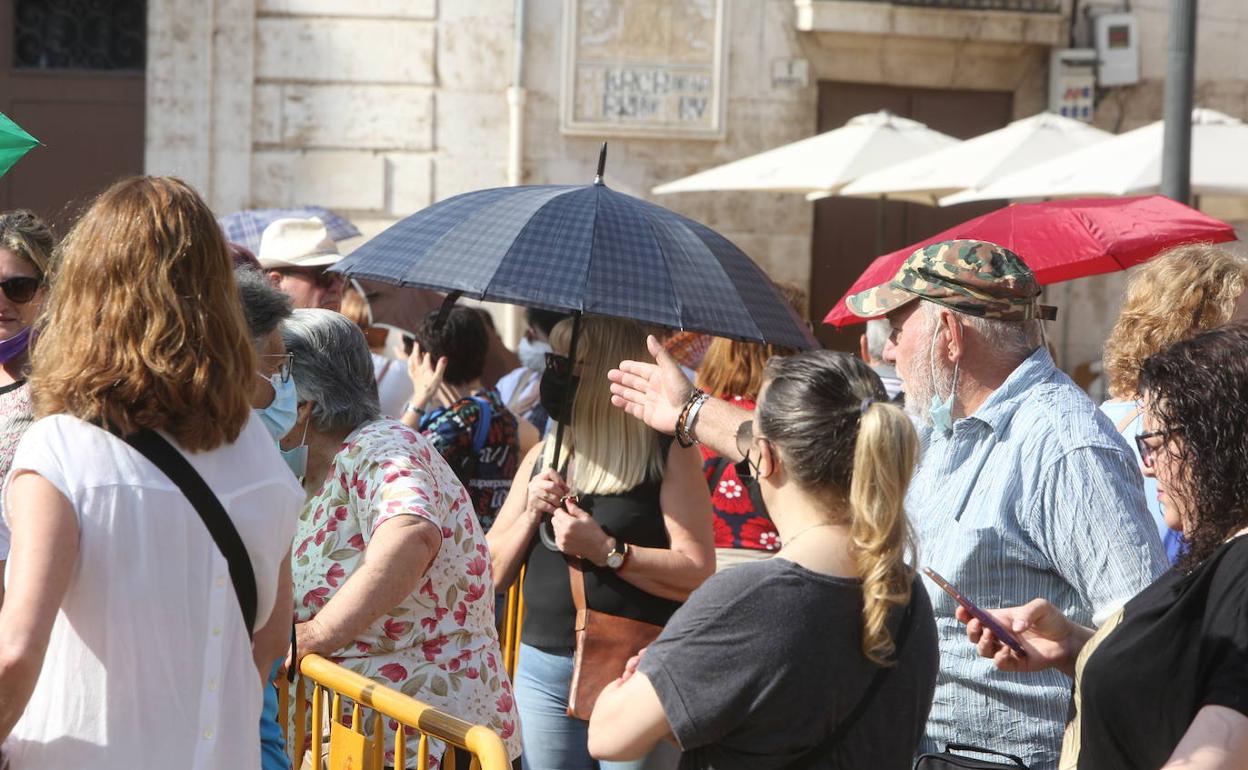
x: 973, y: 277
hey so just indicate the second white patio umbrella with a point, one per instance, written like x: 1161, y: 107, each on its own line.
x: 823, y: 162
x: 1130, y: 164
x: 979, y: 161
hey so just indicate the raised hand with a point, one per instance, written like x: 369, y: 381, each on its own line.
x: 426, y: 376
x: 654, y: 393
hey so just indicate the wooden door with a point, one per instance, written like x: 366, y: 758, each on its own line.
x: 72, y: 74
x: 845, y: 237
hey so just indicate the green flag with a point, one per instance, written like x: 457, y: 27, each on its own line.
x: 14, y: 143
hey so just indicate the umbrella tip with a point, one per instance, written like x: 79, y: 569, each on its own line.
x: 602, y: 164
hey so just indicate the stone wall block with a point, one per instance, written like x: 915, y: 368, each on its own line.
x: 409, y: 183
x: 266, y: 118
x: 358, y: 116
x: 395, y: 9
x: 475, y: 54
x: 472, y: 124
x: 452, y: 176
x: 345, y: 50
x: 355, y: 181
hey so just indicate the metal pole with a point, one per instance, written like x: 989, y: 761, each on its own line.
x: 1176, y: 155
x: 513, y: 316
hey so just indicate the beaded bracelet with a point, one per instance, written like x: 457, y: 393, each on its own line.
x: 683, y: 436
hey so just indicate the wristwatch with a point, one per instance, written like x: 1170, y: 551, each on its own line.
x: 617, y: 555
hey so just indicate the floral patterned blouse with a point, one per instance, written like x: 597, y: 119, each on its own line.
x: 16, y: 415
x: 440, y: 644
x: 739, y: 521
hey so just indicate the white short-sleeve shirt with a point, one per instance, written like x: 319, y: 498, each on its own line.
x: 149, y: 663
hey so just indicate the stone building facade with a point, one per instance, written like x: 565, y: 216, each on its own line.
x: 378, y: 108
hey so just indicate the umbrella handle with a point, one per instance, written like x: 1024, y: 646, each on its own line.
x: 546, y: 533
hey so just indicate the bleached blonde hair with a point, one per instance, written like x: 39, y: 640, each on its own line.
x: 613, y: 451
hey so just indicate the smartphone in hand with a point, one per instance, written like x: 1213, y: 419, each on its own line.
x: 997, y: 629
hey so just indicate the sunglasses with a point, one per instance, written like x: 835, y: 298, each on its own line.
x: 323, y: 279
x: 20, y: 290
x: 747, y: 469
x: 560, y: 364
x: 283, y: 369
x: 1148, y: 452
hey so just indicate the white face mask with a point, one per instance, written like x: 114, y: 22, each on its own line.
x: 532, y: 354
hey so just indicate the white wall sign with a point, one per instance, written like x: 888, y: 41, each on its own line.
x: 790, y: 73
x: 644, y: 68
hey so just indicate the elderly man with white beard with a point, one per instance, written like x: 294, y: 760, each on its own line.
x: 1024, y: 488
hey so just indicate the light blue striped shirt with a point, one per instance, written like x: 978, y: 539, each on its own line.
x: 1035, y: 495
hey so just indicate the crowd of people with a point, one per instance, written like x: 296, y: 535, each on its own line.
x: 216, y: 463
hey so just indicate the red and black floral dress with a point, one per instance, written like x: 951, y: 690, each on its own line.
x: 741, y: 521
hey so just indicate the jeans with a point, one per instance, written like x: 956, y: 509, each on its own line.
x: 552, y: 739
x: 272, y: 742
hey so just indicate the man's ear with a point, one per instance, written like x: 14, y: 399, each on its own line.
x: 955, y: 338
x: 275, y: 278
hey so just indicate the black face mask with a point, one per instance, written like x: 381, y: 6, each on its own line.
x: 557, y: 388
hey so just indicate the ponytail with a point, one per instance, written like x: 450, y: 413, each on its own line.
x: 826, y: 413
x: 884, y: 544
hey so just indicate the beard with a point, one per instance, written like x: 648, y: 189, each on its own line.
x: 920, y: 382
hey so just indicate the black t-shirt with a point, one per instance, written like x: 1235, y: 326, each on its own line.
x: 764, y: 661
x: 1181, y: 644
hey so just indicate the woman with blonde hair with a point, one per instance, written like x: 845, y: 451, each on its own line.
x: 1174, y: 297
x: 824, y: 655
x: 639, y: 521
x: 121, y: 638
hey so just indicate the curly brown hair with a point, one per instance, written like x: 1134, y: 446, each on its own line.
x: 1181, y: 292
x: 1198, y: 390
x: 143, y: 325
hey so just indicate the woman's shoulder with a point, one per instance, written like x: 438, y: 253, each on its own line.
x: 382, y: 432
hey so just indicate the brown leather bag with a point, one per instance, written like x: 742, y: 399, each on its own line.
x: 604, y: 643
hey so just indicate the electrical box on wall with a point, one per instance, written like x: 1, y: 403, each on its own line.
x: 1072, y: 82
x: 1117, y: 45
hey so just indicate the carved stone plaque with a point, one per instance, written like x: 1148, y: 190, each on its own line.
x: 644, y: 68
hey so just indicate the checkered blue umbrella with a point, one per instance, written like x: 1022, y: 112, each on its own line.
x: 246, y: 227
x: 583, y: 249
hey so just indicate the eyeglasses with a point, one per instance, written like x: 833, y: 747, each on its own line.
x: 747, y: 469
x: 283, y: 369
x: 1148, y: 452
x: 21, y: 289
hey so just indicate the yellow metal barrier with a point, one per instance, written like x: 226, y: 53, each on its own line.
x: 513, y: 622
x: 350, y: 748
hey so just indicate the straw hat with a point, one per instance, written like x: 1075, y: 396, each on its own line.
x: 297, y: 243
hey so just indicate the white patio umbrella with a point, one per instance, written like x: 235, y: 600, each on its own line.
x: 977, y: 162
x: 1130, y: 164
x: 824, y: 162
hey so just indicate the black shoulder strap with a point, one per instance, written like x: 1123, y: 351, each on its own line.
x: 881, y: 674
x: 170, y: 461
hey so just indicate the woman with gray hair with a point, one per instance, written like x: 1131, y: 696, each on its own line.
x: 391, y: 570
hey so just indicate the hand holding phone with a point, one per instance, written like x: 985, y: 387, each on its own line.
x: 1007, y: 638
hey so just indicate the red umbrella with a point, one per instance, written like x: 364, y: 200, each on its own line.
x: 1065, y: 239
